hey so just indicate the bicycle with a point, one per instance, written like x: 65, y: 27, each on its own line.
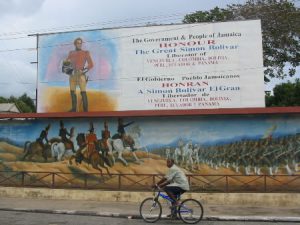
x: 189, y: 210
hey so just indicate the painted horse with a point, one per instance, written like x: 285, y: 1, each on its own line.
x: 95, y: 159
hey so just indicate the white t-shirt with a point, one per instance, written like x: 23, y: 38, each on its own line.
x: 177, y: 178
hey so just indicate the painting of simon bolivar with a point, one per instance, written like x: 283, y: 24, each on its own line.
x: 77, y: 72
x: 206, y: 145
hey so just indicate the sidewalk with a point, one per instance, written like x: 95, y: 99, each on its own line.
x: 131, y: 210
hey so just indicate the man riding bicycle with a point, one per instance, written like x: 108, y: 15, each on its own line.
x: 175, y: 183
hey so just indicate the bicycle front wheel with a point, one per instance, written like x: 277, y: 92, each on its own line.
x: 150, y: 210
x: 190, y: 211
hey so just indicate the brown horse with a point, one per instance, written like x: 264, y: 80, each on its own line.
x: 95, y: 159
x: 104, y: 151
x: 34, y: 148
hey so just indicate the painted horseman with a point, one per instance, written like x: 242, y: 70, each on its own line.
x: 196, y: 149
x: 105, y: 134
x: 43, y: 136
x: 126, y: 139
x: 91, y: 140
x: 168, y: 153
x: 202, y: 155
x: 188, y: 152
x: 176, y: 155
x: 180, y: 155
x: 95, y: 159
x: 63, y: 133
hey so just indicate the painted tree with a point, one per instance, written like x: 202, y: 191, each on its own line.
x: 280, y: 21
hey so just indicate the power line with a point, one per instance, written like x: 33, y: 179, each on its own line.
x: 134, y: 24
x: 100, y: 40
x: 15, y: 38
x: 103, y: 23
x: 92, y: 24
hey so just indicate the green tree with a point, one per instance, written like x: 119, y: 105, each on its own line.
x: 28, y: 102
x: 24, y: 103
x: 3, y: 100
x: 285, y: 94
x: 280, y: 20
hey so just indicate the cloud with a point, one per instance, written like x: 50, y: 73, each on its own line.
x: 19, y: 7
x: 17, y: 77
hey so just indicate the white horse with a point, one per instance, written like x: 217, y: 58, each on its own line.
x: 60, y: 149
x: 177, y: 154
x: 188, y: 154
x: 168, y: 153
x: 116, y: 145
x: 196, y: 154
x: 181, y: 150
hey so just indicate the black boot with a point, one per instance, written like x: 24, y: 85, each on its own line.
x: 84, y: 101
x: 74, y: 101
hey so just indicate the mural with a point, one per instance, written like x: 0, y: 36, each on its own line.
x: 206, y: 145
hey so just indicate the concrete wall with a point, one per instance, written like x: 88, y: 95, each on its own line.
x: 248, y: 199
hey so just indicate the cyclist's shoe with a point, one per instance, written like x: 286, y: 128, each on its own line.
x: 173, y: 207
x: 172, y: 216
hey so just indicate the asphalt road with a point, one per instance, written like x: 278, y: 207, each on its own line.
x: 24, y: 218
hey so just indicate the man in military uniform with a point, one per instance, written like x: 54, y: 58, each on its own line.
x: 105, y: 134
x: 91, y: 139
x: 43, y: 136
x: 122, y: 134
x: 63, y: 132
x: 78, y: 63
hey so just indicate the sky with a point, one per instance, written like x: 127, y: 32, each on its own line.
x: 20, y: 18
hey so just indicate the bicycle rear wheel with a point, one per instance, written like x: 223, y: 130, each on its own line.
x: 190, y: 211
x: 150, y: 210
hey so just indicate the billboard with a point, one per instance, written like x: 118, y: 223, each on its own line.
x: 186, y: 66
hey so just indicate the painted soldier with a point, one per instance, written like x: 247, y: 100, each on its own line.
x: 78, y: 63
x: 91, y: 140
x: 105, y: 134
x: 63, y: 133
x: 122, y: 133
x: 43, y: 136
